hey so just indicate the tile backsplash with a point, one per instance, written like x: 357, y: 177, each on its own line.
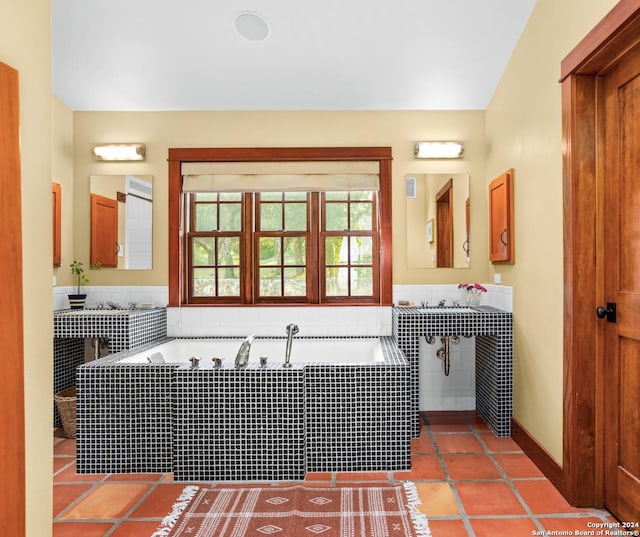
x: 498, y: 296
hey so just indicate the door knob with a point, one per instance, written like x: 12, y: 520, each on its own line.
x: 609, y: 312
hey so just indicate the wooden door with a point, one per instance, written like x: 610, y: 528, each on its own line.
x: 501, y: 232
x: 444, y: 225
x: 621, y: 249
x: 12, y: 447
x: 104, y: 232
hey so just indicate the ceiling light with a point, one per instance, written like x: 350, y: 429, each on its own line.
x: 120, y: 152
x: 252, y: 26
x: 438, y: 150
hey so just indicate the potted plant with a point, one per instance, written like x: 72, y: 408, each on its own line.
x: 76, y: 301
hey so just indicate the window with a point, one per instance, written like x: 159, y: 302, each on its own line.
x: 288, y: 247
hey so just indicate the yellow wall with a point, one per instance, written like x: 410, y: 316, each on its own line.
x: 25, y: 45
x: 524, y: 132
x: 399, y: 130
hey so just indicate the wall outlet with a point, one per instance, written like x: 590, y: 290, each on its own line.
x: 497, y: 278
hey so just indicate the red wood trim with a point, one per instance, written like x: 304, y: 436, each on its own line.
x: 12, y: 441
x: 597, y: 49
x: 579, y: 133
x: 250, y: 154
x: 386, y: 270
x: 540, y: 456
x: 175, y: 194
x: 56, y: 192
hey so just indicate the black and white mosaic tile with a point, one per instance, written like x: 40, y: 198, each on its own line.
x: 255, y: 423
x: 493, y: 329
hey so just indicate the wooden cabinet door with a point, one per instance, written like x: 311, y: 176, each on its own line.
x: 56, y: 194
x: 501, y: 232
x: 104, y: 232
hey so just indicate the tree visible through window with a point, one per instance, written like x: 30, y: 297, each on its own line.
x: 301, y: 242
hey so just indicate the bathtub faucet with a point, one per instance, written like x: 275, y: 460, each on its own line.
x: 292, y: 330
x: 243, y: 352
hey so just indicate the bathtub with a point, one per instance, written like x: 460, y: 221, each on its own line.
x: 303, y: 350
x: 343, y: 405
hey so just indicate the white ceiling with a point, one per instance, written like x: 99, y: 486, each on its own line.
x: 331, y: 55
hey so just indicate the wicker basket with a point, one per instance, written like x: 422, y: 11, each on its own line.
x: 66, y: 404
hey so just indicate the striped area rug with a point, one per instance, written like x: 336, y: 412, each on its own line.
x: 296, y: 511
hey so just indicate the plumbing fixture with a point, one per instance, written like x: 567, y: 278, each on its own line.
x: 430, y: 339
x: 424, y: 304
x: 114, y: 306
x: 100, y: 347
x: 242, y: 358
x: 217, y: 362
x: 444, y: 352
x: 263, y: 361
x: 441, y: 303
x: 292, y: 330
x: 195, y: 361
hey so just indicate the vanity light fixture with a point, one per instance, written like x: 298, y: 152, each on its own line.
x: 120, y: 152
x: 438, y: 150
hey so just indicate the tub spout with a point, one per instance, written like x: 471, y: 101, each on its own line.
x: 292, y: 330
x: 243, y: 352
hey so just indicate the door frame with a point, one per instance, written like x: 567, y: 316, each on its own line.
x: 583, y: 178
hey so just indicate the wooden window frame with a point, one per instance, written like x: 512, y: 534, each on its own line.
x: 311, y: 295
x: 177, y: 288
x: 375, y: 298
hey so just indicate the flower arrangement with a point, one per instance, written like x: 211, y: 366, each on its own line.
x: 472, y: 292
x: 473, y: 288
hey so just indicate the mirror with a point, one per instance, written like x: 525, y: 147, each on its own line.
x: 438, y: 210
x: 121, y: 221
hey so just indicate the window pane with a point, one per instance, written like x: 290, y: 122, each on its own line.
x: 228, y: 251
x: 230, y: 196
x: 361, y: 281
x: 361, y: 250
x: 270, y: 196
x: 336, y: 195
x: 206, y: 217
x: 294, y: 251
x: 206, y: 196
x: 270, y: 216
x: 230, y: 216
x: 203, y: 251
x: 269, y: 250
x: 365, y: 195
x: 335, y: 250
x: 270, y: 283
x: 336, y: 216
x: 361, y: 216
x: 336, y: 281
x: 295, y: 282
x: 295, y: 196
x: 295, y: 216
x: 229, y: 281
x: 204, y: 282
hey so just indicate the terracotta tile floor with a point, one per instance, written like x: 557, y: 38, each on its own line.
x: 470, y: 483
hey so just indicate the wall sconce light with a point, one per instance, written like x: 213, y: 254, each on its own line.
x: 438, y: 150
x: 120, y: 152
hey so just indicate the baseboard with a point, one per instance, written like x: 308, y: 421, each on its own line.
x: 540, y: 456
